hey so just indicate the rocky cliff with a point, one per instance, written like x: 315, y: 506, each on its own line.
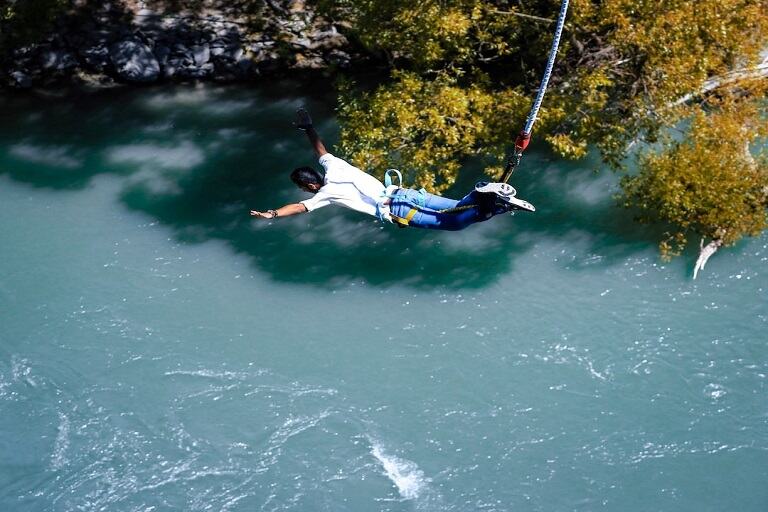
x: 148, y: 42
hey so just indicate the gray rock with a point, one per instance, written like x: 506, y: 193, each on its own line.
x: 23, y: 52
x: 21, y: 79
x: 203, y: 71
x: 183, y: 53
x: 297, y: 26
x: 172, y: 66
x: 180, y: 48
x: 235, y: 53
x: 339, y: 58
x: 134, y: 61
x: 302, y: 42
x: 224, y: 50
x: 96, y: 57
x: 216, y: 45
x: 57, y: 60
x: 201, y: 54
x: 255, y: 47
x: 308, y: 61
x: 327, y: 39
x: 260, y: 46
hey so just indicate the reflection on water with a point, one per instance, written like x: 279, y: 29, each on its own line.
x: 160, y: 350
x: 197, y: 158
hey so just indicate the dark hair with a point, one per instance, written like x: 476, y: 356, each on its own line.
x: 303, y: 176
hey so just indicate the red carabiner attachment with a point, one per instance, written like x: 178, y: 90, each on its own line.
x: 522, y: 141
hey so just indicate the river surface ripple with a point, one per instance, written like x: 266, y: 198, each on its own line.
x: 161, y: 351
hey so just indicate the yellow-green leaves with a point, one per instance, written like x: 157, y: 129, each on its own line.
x: 629, y: 72
x: 425, y: 127
x: 430, y: 34
x: 680, y: 44
x: 713, y: 183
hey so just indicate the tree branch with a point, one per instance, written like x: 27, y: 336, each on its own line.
x: 758, y: 71
x: 705, y: 253
x: 521, y: 15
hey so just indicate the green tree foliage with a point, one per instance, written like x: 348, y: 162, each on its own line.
x: 421, y: 126
x: 629, y: 71
x: 712, y: 183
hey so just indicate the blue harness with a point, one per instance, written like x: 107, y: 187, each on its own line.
x: 400, y: 198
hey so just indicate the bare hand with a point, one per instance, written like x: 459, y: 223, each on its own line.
x: 303, y: 119
x: 263, y: 215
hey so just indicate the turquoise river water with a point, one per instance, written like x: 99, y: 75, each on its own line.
x: 159, y: 350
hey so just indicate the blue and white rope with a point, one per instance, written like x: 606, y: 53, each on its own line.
x: 548, y: 71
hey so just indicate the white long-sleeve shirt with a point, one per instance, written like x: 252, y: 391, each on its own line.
x: 348, y: 186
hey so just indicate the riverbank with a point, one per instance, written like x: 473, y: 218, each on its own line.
x: 138, y: 42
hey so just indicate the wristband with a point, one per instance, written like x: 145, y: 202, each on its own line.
x: 273, y: 213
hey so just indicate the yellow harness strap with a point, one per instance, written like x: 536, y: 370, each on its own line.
x: 405, y: 221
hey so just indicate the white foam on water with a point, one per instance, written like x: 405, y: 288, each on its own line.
x: 209, y: 374
x: 22, y: 372
x: 406, y: 475
x: 202, y: 99
x: 3, y: 383
x: 187, y: 97
x: 715, y: 391
x: 185, y: 473
x: 54, y: 156
x: 277, y: 442
x: 184, y: 155
x: 227, y: 107
x: 58, y: 457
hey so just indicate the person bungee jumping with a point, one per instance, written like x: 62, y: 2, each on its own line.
x: 349, y: 186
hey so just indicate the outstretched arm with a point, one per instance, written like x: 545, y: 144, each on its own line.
x: 304, y: 122
x: 283, y: 211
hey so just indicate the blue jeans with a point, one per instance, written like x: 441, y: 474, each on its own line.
x: 429, y: 216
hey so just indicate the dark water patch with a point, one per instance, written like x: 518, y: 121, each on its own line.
x: 198, y: 158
